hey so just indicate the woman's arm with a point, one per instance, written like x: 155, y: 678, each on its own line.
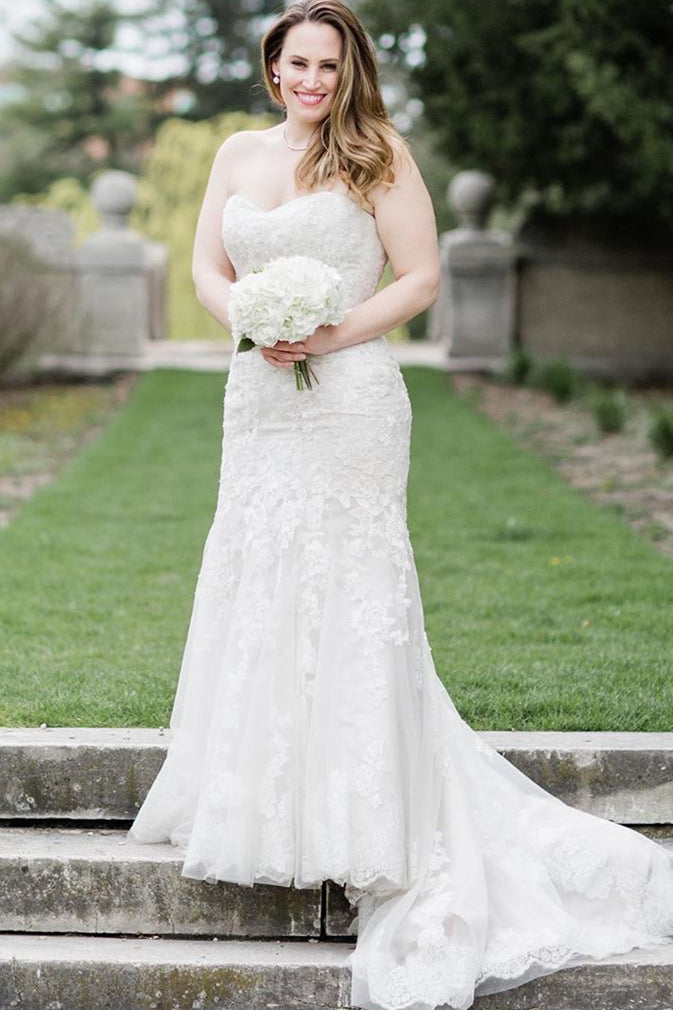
x: 212, y: 270
x: 405, y: 220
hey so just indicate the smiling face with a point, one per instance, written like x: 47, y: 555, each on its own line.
x: 308, y: 68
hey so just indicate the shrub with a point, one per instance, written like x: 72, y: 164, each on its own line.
x: 609, y: 408
x: 660, y: 431
x: 519, y: 365
x: 36, y: 303
x: 558, y: 377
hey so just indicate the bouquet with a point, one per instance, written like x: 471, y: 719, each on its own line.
x: 286, y: 300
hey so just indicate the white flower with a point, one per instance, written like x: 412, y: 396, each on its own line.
x: 288, y: 299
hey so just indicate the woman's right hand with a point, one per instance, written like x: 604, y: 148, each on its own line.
x: 283, y: 354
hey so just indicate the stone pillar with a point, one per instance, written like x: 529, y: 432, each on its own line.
x: 121, y: 281
x: 475, y: 313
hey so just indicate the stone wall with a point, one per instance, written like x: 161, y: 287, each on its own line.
x: 609, y: 312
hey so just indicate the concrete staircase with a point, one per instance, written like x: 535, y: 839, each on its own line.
x: 89, y: 920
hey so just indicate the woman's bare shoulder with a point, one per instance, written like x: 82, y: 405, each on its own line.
x: 242, y: 144
x: 241, y: 154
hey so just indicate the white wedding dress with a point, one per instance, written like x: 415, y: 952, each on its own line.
x: 311, y: 737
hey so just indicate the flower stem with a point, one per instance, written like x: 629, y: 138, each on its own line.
x: 308, y: 365
x: 303, y: 373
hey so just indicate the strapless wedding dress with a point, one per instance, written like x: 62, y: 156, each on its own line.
x: 311, y: 737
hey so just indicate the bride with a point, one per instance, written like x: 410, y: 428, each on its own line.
x: 311, y: 737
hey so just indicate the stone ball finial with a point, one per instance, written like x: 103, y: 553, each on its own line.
x: 115, y: 194
x: 471, y: 194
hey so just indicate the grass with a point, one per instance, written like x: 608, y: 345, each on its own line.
x: 544, y: 611
x: 41, y: 427
x: 99, y: 568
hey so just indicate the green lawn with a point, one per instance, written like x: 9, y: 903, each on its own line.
x: 543, y: 610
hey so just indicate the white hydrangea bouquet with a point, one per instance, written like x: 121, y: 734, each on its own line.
x: 286, y: 300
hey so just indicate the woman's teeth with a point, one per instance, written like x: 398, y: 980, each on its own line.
x: 308, y: 99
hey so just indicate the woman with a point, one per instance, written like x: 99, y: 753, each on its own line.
x: 311, y: 736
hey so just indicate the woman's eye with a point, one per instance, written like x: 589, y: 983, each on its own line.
x: 296, y: 63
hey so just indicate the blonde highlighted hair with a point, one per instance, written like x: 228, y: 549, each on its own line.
x: 356, y: 140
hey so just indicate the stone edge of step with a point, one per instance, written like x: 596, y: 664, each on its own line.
x: 111, y: 845
x: 114, y: 737
x: 77, y: 948
x: 103, y: 773
x: 151, y: 950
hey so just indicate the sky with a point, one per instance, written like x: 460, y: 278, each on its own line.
x: 13, y: 15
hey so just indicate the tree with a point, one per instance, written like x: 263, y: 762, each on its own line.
x: 568, y: 103
x: 73, y: 98
x: 218, y: 42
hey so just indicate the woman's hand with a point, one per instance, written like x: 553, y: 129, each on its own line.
x: 283, y: 354
x: 322, y: 341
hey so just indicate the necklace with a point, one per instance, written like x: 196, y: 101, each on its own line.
x: 282, y: 133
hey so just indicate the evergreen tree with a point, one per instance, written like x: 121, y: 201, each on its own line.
x: 218, y: 41
x: 568, y: 103
x: 72, y: 99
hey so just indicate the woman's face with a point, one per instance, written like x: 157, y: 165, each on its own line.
x: 308, y: 68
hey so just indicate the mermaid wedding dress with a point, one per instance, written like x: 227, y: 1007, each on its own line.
x: 311, y: 737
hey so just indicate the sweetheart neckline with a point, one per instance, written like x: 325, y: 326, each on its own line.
x: 296, y: 199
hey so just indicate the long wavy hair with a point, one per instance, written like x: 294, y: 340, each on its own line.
x: 355, y: 140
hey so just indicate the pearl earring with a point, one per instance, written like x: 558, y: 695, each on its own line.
x: 276, y: 78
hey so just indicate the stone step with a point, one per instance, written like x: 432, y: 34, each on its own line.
x: 77, y: 773
x: 84, y: 881
x: 121, y: 973
x: 103, y: 774
x: 100, y: 882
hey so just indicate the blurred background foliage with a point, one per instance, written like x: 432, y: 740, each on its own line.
x: 568, y: 103
x: 70, y: 105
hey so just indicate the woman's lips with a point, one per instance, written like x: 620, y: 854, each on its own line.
x: 306, y: 98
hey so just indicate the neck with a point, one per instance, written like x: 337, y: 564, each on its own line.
x: 298, y: 134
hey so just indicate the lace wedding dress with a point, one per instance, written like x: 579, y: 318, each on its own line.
x: 311, y: 737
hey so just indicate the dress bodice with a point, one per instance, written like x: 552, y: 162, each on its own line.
x: 326, y: 225
x: 316, y: 437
